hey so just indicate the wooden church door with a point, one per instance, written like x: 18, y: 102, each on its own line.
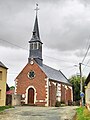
x: 31, y: 96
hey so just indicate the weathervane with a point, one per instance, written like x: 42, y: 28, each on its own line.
x: 36, y: 8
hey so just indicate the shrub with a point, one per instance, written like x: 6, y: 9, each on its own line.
x: 57, y: 104
x: 2, y: 108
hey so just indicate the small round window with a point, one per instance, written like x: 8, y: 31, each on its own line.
x: 31, y: 74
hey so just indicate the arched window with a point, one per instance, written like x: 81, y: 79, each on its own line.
x: 39, y: 46
x: 35, y: 46
x: 31, y: 46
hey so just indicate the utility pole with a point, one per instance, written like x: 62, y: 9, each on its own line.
x: 81, y: 86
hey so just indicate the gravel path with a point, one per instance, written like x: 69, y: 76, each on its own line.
x: 39, y: 113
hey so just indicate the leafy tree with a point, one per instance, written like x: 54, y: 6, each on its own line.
x: 12, y: 88
x: 75, y: 81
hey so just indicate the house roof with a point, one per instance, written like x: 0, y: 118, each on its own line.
x: 2, y: 65
x: 87, y: 80
x: 10, y: 92
x: 55, y: 75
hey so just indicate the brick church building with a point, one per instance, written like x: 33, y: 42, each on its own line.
x: 39, y: 84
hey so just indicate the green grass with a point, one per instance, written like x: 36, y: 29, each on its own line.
x: 2, y: 108
x: 83, y: 114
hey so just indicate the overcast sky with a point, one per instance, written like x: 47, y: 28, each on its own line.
x: 64, y: 30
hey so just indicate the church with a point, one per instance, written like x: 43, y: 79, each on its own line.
x: 37, y: 83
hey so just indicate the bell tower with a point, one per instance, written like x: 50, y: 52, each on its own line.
x: 35, y: 51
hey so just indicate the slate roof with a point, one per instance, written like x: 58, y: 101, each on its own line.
x: 54, y: 74
x: 35, y: 35
x: 2, y: 65
x: 36, y: 28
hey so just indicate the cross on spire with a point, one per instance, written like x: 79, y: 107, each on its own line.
x: 36, y: 9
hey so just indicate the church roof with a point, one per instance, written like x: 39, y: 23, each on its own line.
x: 36, y: 28
x: 35, y: 35
x: 2, y: 65
x: 55, y: 75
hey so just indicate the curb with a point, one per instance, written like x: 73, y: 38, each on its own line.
x: 74, y: 117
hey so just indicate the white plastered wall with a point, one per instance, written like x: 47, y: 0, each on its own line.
x: 47, y: 92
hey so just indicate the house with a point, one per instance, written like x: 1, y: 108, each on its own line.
x: 10, y: 92
x: 9, y: 95
x: 39, y: 84
x: 3, y: 79
x: 87, y: 92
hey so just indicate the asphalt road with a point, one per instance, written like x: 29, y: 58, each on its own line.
x: 39, y: 113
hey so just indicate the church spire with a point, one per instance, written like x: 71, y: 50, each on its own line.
x: 36, y: 28
x: 35, y: 51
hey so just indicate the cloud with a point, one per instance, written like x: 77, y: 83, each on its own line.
x: 85, y: 2
x: 67, y: 26
x: 14, y: 60
x: 13, y: 55
x: 64, y: 30
x: 63, y: 25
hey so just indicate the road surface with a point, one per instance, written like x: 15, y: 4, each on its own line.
x: 39, y: 113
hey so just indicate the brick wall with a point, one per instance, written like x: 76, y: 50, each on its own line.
x: 68, y: 95
x: 23, y: 82
x: 62, y: 93
x: 39, y: 82
x: 65, y: 94
x: 52, y: 93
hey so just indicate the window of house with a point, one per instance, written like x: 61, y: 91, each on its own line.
x: 0, y: 94
x: 0, y: 75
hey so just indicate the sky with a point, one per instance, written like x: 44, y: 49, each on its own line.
x: 64, y: 30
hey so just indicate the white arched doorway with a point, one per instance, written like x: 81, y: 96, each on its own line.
x: 30, y: 95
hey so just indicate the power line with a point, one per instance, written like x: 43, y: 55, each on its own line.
x: 80, y: 68
x: 84, y: 44
x: 58, y: 59
x: 69, y: 67
x: 86, y: 54
x: 27, y: 50
x: 12, y: 44
x: 86, y: 65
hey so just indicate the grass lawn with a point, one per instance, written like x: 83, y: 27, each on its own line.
x: 4, y: 107
x: 83, y: 114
